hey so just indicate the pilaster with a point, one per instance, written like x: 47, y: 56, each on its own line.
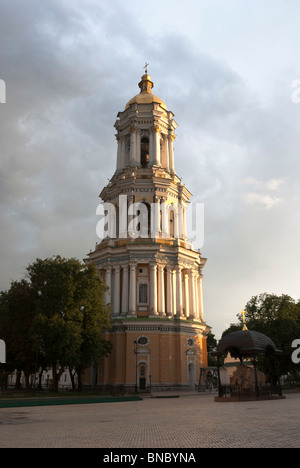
x: 125, y: 284
x: 179, y: 311
x: 132, y: 290
x: 153, y: 289
x: 116, y: 301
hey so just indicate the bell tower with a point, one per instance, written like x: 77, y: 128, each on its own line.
x: 153, y: 274
x: 145, y: 131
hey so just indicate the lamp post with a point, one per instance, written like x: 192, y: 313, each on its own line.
x: 136, y: 368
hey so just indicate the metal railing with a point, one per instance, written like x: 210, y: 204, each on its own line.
x: 252, y: 391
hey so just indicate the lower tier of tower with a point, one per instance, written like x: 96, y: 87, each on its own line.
x: 151, y: 355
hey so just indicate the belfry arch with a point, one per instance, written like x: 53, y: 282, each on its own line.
x: 144, y: 152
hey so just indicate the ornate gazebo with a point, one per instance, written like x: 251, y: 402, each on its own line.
x: 247, y: 344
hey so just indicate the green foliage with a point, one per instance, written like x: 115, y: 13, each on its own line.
x: 211, y: 346
x: 16, y: 316
x: 278, y: 317
x: 58, y: 316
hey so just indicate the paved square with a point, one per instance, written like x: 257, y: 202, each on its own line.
x: 193, y: 420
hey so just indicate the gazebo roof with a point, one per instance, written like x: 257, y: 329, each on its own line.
x: 245, y: 343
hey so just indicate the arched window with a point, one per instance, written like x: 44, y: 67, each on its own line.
x: 173, y: 213
x: 143, y: 293
x: 144, y: 152
x: 146, y: 227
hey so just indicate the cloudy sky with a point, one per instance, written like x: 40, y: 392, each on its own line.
x: 228, y: 70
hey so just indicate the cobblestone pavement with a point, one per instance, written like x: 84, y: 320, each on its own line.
x: 193, y: 420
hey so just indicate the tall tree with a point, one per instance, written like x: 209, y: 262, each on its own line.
x: 70, y: 313
x: 278, y: 317
x: 55, y: 318
x: 16, y: 316
x: 94, y: 319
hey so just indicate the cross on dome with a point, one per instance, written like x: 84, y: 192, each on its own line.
x: 243, y: 313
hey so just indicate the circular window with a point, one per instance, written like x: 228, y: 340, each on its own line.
x: 190, y: 342
x: 142, y: 340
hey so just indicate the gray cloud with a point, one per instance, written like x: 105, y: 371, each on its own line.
x: 71, y: 67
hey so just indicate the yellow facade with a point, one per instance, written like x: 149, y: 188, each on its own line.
x: 152, y: 272
x: 157, y: 353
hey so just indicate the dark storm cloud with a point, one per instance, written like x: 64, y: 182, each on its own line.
x: 71, y: 66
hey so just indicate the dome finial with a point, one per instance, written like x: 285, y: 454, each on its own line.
x: 146, y: 84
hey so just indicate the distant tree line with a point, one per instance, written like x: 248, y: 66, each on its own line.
x: 55, y: 318
x: 277, y: 317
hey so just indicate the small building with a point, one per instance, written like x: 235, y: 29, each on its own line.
x: 247, y: 383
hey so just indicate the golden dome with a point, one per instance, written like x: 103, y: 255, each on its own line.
x: 146, y: 96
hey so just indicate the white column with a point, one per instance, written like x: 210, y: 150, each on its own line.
x: 125, y: 290
x: 179, y: 312
x: 119, y: 154
x: 116, y: 304
x: 132, y: 291
x: 180, y: 220
x: 200, y: 296
x: 171, y: 153
x: 155, y: 218
x: 123, y: 151
x: 164, y: 153
x: 133, y: 158
x: 186, y: 294
x: 123, y: 215
x: 112, y: 222
x: 157, y: 145
x: 167, y: 157
x: 108, y: 284
x: 184, y: 207
x: 196, y: 298
x: 153, y: 289
x: 151, y: 148
x: 161, y: 290
x: 169, y: 291
x: 173, y: 293
x: 191, y: 295
x: 138, y: 147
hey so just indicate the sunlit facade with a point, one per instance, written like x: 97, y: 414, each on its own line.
x: 153, y: 273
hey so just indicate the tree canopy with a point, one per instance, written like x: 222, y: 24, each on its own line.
x: 278, y: 317
x: 55, y: 318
